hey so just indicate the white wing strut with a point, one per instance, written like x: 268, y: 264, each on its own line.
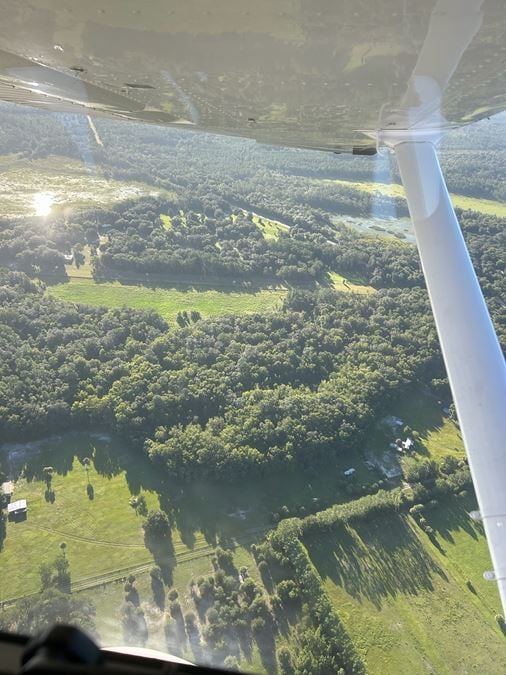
x: 473, y: 357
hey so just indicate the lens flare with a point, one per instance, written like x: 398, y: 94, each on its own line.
x: 42, y: 203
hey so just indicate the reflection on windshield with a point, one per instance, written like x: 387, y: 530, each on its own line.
x: 227, y: 432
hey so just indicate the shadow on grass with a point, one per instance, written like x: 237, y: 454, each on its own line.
x: 106, y: 460
x: 452, y: 515
x: 188, y: 283
x: 267, y: 648
x: 376, y: 560
x: 162, y: 550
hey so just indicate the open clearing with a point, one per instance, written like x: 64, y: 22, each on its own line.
x: 403, y: 599
x: 402, y: 602
x: 104, y: 536
x: 436, y: 435
x: 55, y: 183
x: 486, y: 206
x: 81, y: 288
x: 271, y: 229
x: 167, y: 301
x: 343, y: 284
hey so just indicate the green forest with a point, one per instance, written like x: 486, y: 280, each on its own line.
x: 252, y: 410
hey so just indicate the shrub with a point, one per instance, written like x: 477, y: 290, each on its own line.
x: 190, y: 620
x: 417, y: 510
x: 419, y: 472
x: 157, y: 525
x: 449, y: 464
x: 288, y: 590
x: 501, y: 622
x: 225, y: 560
x: 285, y: 661
x: 420, y: 493
x: 156, y: 573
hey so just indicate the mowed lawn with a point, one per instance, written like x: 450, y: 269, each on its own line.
x: 102, y: 534
x: 167, y: 301
x: 486, y: 206
x: 405, y: 607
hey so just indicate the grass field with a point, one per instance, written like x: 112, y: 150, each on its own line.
x: 167, y: 301
x: 108, y: 601
x: 343, y: 284
x: 438, y: 435
x: 486, y: 206
x: 52, y: 184
x: 270, y: 229
x: 403, y: 603
x: 104, y: 535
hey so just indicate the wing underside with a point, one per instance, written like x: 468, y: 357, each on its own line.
x: 302, y: 73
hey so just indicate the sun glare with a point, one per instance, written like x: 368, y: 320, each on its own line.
x: 42, y: 202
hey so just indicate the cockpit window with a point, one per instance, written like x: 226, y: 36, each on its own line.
x: 226, y: 428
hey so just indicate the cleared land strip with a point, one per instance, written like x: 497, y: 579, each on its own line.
x: 478, y: 204
x: 117, y: 574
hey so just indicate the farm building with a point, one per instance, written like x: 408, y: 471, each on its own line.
x: 17, y: 508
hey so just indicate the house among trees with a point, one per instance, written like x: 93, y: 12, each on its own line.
x: 17, y: 508
x: 7, y: 491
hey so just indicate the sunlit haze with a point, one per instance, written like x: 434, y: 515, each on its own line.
x: 42, y: 203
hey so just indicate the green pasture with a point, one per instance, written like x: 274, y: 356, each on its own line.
x: 345, y: 285
x: 486, y: 206
x: 167, y: 301
x: 403, y: 604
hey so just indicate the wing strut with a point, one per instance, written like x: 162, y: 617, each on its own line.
x: 473, y: 357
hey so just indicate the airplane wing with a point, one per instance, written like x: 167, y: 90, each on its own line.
x: 307, y: 73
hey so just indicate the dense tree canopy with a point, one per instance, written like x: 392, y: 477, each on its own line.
x: 235, y: 394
